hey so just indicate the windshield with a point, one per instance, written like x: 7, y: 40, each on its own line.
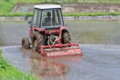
x: 51, y: 18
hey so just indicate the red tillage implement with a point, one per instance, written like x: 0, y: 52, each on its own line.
x: 60, y: 50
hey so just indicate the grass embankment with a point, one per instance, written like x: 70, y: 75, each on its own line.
x: 7, y: 5
x: 66, y: 14
x: 8, y: 72
x: 91, y: 14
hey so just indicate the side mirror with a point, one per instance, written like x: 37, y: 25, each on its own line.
x: 26, y: 17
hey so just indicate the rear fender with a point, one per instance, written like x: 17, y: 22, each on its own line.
x: 62, y: 29
x: 33, y: 28
x: 39, y: 29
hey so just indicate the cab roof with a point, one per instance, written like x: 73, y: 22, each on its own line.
x: 47, y: 6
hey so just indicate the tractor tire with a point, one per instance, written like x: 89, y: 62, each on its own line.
x: 66, y: 38
x: 25, y: 43
x: 37, y: 40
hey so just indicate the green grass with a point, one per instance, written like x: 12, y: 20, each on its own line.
x: 15, y: 14
x: 8, y: 72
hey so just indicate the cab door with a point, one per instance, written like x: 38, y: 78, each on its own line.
x: 35, y: 23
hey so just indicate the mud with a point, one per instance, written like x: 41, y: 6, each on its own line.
x: 99, y: 41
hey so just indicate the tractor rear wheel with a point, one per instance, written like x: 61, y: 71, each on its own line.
x: 66, y: 38
x: 37, y: 40
x: 25, y: 43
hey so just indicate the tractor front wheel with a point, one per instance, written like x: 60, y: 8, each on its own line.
x: 37, y: 41
x: 25, y: 43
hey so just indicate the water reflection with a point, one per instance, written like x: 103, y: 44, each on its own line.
x: 49, y: 68
x: 46, y: 69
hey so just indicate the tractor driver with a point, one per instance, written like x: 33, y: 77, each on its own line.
x: 48, y: 19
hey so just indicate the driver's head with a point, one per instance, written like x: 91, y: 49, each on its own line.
x: 49, y: 14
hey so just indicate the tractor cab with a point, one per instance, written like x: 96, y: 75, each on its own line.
x: 47, y: 16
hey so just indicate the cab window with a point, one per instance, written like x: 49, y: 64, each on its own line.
x: 51, y: 18
x: 34, y: 19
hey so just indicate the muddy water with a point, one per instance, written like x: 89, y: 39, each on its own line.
x: 99, y: 62
x: 95, y: 32
x: 83, y: 32
x: 99, y: 43
x: 11, y: 33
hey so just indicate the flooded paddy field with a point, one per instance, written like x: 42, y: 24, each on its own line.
x: 83, y: 32
x: 99, y: 41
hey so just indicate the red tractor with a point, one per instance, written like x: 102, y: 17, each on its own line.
x: 49, y: 35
